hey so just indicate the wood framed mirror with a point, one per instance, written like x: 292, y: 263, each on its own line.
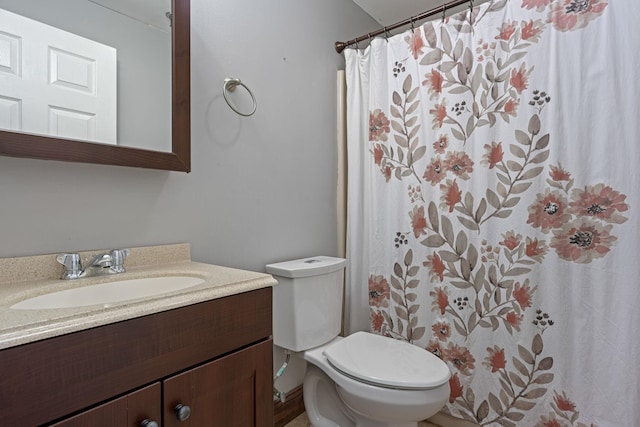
x: 16, y: 144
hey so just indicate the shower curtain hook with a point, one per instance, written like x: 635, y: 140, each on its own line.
x: 444, y: 10
x: 413, y: 28
x: 471, y: 5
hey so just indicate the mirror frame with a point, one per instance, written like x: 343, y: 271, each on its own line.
x: 15, y: 144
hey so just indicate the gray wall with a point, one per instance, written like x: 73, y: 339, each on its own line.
x: 262, y: 189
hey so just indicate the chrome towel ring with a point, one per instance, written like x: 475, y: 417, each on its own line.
x: 229, y: 86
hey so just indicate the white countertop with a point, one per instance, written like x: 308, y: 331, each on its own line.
x: 23, y: 326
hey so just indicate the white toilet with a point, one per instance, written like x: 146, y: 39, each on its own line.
x: 362, y: 380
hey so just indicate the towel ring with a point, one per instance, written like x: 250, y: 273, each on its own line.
x: 229, y: 86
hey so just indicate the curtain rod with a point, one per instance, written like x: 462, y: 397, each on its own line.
x: 340, y: 46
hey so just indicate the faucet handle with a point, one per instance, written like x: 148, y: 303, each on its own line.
x: 117, y: 259
x: 72, y: 265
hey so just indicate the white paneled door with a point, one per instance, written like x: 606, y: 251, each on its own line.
x: 55, y: 83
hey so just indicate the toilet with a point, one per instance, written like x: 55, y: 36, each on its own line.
x: 362, y: 380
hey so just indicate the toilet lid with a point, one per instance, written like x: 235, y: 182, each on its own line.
x: 387, y: 362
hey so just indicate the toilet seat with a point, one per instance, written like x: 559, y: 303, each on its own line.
x: 387, y: 362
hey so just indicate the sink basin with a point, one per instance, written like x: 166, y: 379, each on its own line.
x: 110, y: 292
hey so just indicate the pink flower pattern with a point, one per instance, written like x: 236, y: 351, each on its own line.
x: 520, y: 78
x: 459, y: 163
x: 535, y: 249
x: 439, y: 113
x: 507, y: 30
x: 436, y: 270
x: 378, y: 126
x: 599, y: 201
x: 511, y: 240
x: 569, y: 15
x: 377, y: 320
x: 451, y: 194
x: 557, y: 173
x: 582, y: 240
x: 494, y: 154
x: 550, y: 210
x: 415, y: 42
x: 511, y: 107
x: 378, y: 291
x: 440, y: 299
x: 539, y: 5
x: 460, y: 357
x: 522, y: 294
x: 418, y: 221
x: 496, y: 359
x: 532, y: 30
x: 441, y: 144
x: 441, y: 330
x: 433, y: 81
x: 436, y: 171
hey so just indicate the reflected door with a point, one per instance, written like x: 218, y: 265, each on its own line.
x: 56, y: 83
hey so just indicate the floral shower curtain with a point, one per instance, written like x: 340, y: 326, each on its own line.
x: 493, y: 199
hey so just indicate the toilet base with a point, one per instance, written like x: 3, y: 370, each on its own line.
x: 327, y: 407
x: 321, y: 401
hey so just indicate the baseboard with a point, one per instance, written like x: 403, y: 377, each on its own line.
x: 293, y: 406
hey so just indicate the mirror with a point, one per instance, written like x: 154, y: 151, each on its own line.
x: 29, y: 145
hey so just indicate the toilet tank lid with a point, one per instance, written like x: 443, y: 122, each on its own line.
x: 306, y: 267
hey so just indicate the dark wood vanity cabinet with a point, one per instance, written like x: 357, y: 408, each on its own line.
x: 214, y: 358
x: 133, y: 409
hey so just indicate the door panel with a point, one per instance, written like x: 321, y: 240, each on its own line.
x: 234, y: 391
x: 130, y: 411
x: 62, y: 84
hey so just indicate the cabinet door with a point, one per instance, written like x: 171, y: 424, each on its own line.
x: 233, y: 391
x: 130, y: 411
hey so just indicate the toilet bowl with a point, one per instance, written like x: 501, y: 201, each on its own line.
x: 397, y: 385
x: 362, y: 380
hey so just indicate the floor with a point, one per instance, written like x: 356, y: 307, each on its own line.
x: 303, y: 421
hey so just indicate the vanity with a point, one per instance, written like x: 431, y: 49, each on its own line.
x: 201, y: 356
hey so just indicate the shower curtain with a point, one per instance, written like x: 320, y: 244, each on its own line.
x: 492, y: 206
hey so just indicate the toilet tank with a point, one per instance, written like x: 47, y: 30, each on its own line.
x: 307, y: 301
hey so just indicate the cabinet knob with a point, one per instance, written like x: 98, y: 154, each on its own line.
x: 183, y: 412
x: 148, y: 423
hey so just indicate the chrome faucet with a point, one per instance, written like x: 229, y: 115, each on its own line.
x: 104, y: 263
